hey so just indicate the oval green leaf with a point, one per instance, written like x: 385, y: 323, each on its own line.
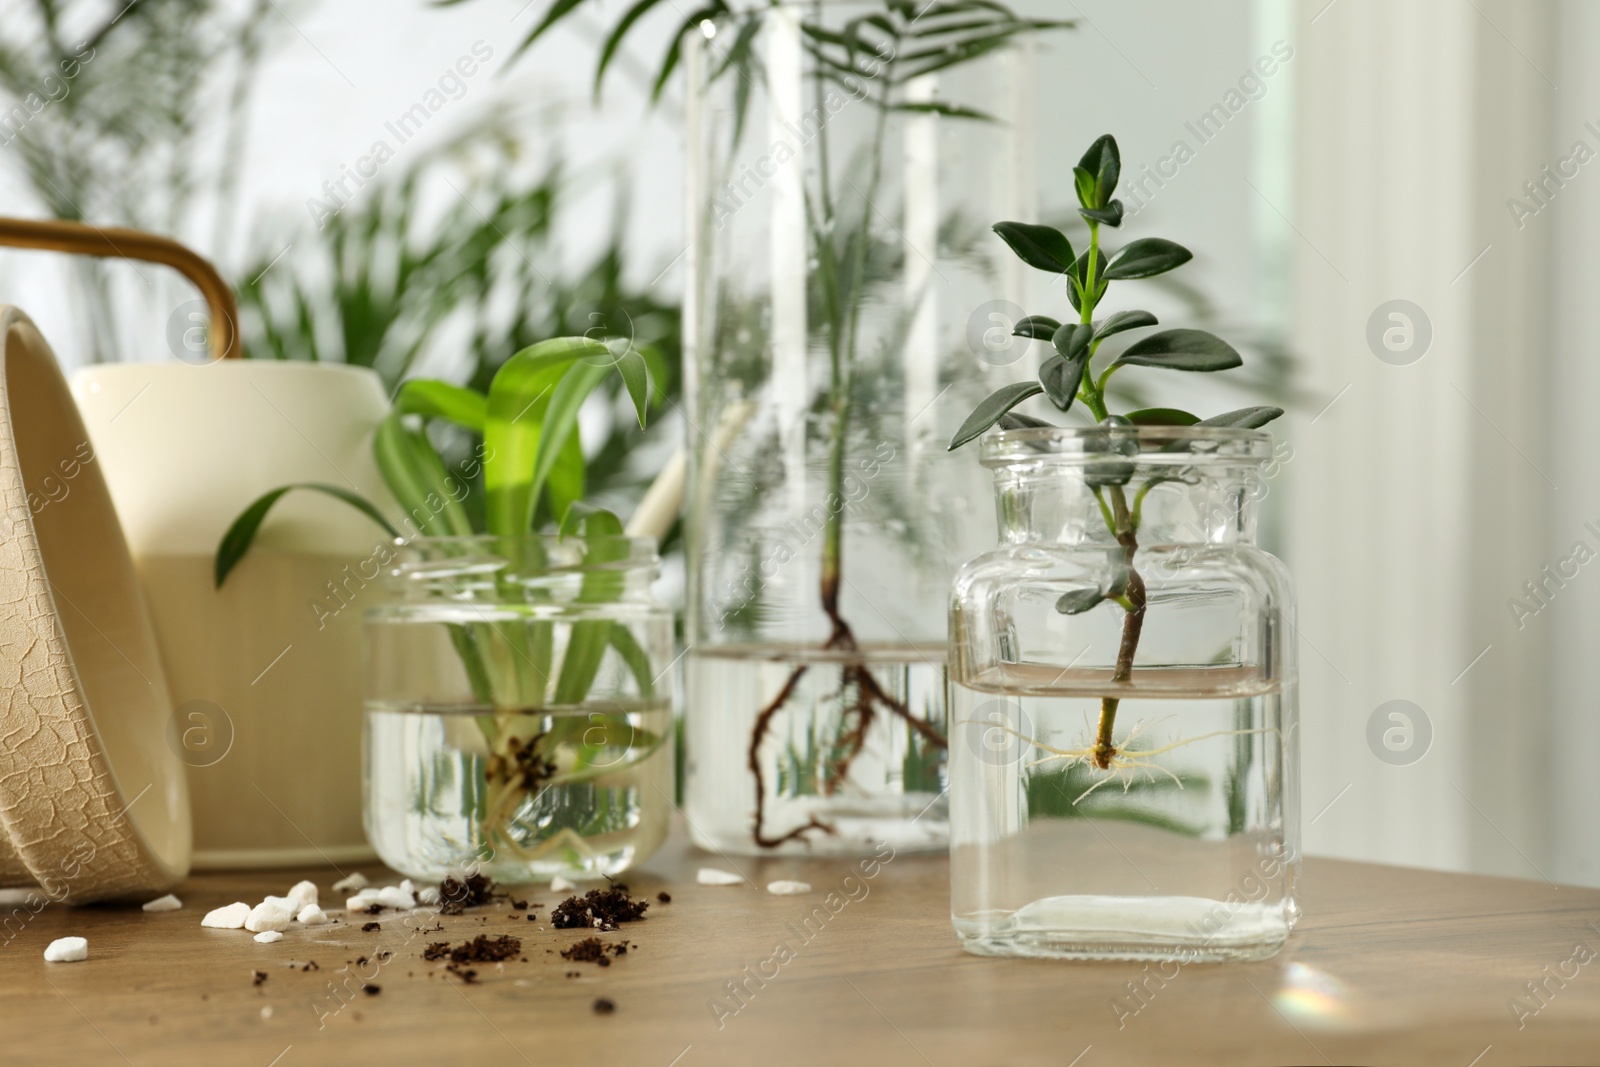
x: 1103, y: 161
x: 988, y: 413
x: 1078, y: 601
x: 1147, y: 257
x: 1060, y: 378
x: 1162, y: 417
x: 1121, y: 321
x: 1037, y: 327
x: 1244, y: 418
x: 1041, y: 247
x: 1190, y: 350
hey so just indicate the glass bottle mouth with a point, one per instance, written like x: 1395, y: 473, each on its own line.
x: 538, y: 565
x: 1151, y: 445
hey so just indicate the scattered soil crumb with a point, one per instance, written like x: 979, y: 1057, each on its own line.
x: 664, y: 896
x: 604, y: 1006
x: 368, y: 928
x: 371, y: 989
x: 599, y: 909
x: 257, y: 978
x: 458, y: 895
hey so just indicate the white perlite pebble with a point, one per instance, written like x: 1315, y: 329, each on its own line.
x: 166, y: 903
x: 559, y: 884
x: 9, y: 897
x: 267, y: 916
x: 361, y: 901
x: 303, y: 893
x: 288, y: 904
x: 391, y: 896
x: 428, y: 896
x: 712, y: 876
x: 311, y: 915
x: 788, y: 889
x: 267, y: 937
x: 67, y: 950
x: 231, y: 917
x: 351, y: 883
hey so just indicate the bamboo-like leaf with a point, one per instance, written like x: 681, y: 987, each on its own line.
x: 434, y: 399
x: 945, y: 110
x: 1012, y: 420
x: 988, y: 413
x: 1190, y: 350
x: 615, y: 39
x: 242, y: 532
x: 586, y: 646
x: 417, y: 477
x: 514, y: 432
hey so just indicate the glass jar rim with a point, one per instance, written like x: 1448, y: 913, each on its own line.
x: 562, y: 551
x: 1151, y: 444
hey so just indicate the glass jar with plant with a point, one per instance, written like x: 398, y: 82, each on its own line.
x: 518, y: 698
x: 837, y: 151
x: 1127, y: 654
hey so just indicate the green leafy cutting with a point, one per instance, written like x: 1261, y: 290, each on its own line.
x: 1068, y: 377
x: 528, y: 423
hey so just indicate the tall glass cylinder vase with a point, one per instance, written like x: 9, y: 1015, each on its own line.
x: 846, y: 163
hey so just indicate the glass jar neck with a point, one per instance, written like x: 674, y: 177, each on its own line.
x: 533, y: 569
x: 1162, y: 485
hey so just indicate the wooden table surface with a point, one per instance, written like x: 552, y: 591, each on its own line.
x: 1389, y: 965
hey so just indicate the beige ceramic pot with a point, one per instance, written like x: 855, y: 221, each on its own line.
x: 92, y: 798
x: 265, y: 672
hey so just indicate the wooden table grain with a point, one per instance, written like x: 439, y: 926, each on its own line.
x: 1388, y: 966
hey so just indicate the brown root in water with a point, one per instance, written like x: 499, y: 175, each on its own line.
x: 859, y: 714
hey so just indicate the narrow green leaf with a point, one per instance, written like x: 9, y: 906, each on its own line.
x: 1244, y: 418
x: 675, y: 50
x: 568, y: 476
x: 1146, y: 257
x: 414, y: 473
x: 1079, y: 601
x: 1162, y: 417
x: 637, y: 660
x: 587, y: 643
x: 434, y: 399
x: 636, y: 376
x: 557, y: 11
x: 1122, y: 320
x: 614, y: 41
x: 1191, y: 350
x: 561, y: 416
x: 241, y: 534
x: 519, y: 397
x: 1041, y: 247
x: 988, y: 413
x: 945, y: 110
x: 1037, y: 327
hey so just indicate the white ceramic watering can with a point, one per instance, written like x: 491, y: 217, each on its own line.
x: 265, y: 673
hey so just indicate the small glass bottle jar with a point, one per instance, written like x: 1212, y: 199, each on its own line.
x: 1124, y: 775
x: 518, y: 708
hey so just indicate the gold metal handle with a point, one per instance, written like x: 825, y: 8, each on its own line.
x: 114, y: 242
